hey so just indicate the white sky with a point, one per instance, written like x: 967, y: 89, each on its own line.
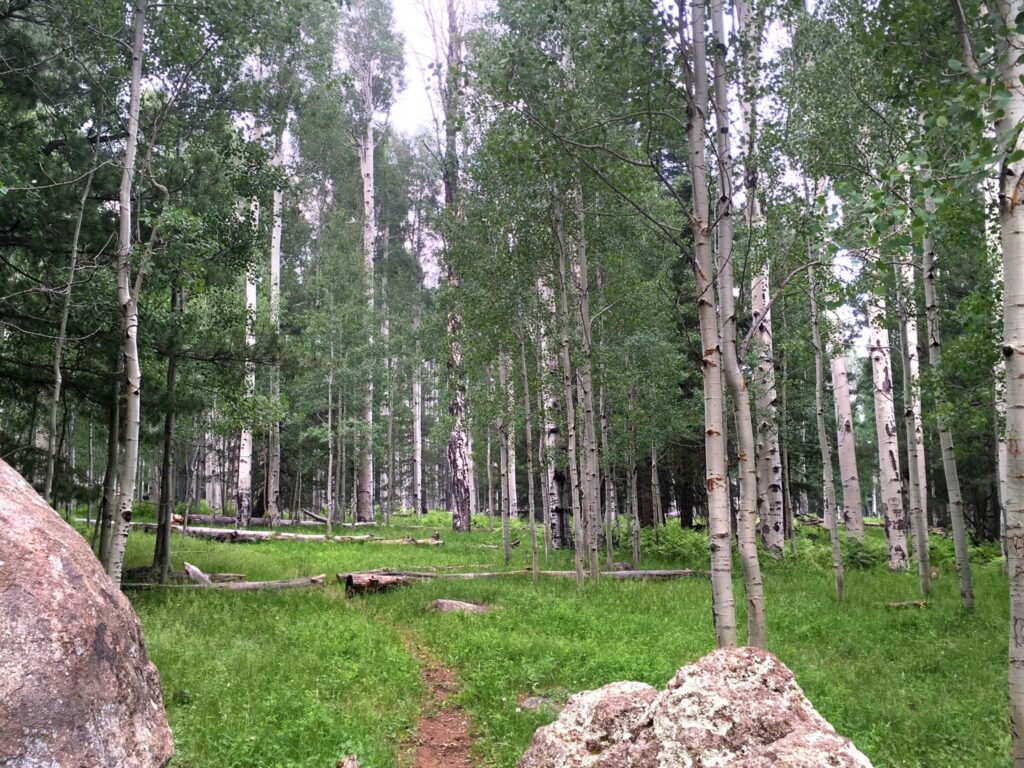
x: 412, y: 112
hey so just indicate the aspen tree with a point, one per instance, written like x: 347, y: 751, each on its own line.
x: 885, y: 429
x: 693, y: 50
x: 853, y: 513
x: 1010, y: 69
x: 128, y: 301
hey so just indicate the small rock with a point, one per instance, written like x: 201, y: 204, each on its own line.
x: 457, y: 606
x: 537, y: 703
x: 349, y: 761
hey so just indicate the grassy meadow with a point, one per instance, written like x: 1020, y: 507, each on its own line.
x: 303, y: 677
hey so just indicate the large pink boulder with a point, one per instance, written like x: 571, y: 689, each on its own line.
x: 735, y: 708
x: 77, y: 689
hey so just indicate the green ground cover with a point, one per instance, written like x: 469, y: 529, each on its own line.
x: 300, y: 678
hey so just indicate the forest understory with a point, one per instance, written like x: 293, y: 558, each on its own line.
x: 305, y: 677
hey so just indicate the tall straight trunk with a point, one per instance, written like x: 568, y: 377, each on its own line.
x: 885, y: 429
x: 243, y: 493
x: 853, y: 513
x: 330, y: 443
x: 460, y: 461
x: 364, y: 454
x: 567, y: 390
x: 106, y: 513
x: 631, y: 482
x: 915, y: 438
x: 528, y: 429
x: 789, y: 511
x: 746, y: 533
x: 954, y: 499
x: 128, y: 300
x: 590, y: 464
x: 419, y: 503
x: 507, y: 494
x: 693, y: 44
x: 552, y: 407
x: 162, y: 550
x: 1011, y: 216
x: 659, y: 517
x: 274, y: 448
x: 58, y: 345
x: 392, y: 479
x: 490, y: 483
x: 769, y: 461
x: 542, y: 472
x: 831, y: 518
x: 611, y: 513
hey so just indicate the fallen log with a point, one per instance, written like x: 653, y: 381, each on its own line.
x: 512, y: 545
x: 379, y: 581
x: 147, y: 572
x: 217, y: 534
x: 207, y: 519
x: 908, y: 604
x: 232, y: 535
x: 204, y: 581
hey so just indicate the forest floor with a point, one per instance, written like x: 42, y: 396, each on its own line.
x: 301, y: 678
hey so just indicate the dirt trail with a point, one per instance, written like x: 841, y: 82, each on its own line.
x: 442, y: 737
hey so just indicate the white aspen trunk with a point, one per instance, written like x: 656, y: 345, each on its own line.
x: 611, y: 513
x: 274, y: 449
x: 719, y: 527
x: 542, y: 472
x: 631, y: 487
x: 507, y: 494
x: 364, y: 459
x: 917, y: 485
x: 552, y: 407
x: 418, y: 502
x: 58, y: 345
x: 659, y: 515
x: 590, y: 461
x: 885, y: 429
x: 243, y: 497
x: 127, y: 299
x: 570, y: 408
x: 528, y: 429
x: 853, y: 513
x: 212, y: 469
x: 831, y: 518
x: 769, y: 459
x: 1010, y: 68
x: 746, y: 533
x: 329, y: 480
x: 511, y: 487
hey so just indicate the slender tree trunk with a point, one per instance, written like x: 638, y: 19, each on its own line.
x: 109, y: 503
x: 570, y: 409
x: 528, y: 429
x: 419, y: 503
x: 542, y: 471
x: 746, y: 533
x: 127, y: 299
x: 503, y: 442
x: 58, y: 345
x: 885, y: 429
x: 552, y: 407
x: 949, y: 469
x: 364, y: 454
x: 330, y: 442
x: 853, y: 513
x: 659, y: 517
x: 1010, y: 68
x: 162, y: 553
x: 590, y: 464
x: 915, y: 437
x: 769, y: 463
x: 274, y: 450
x: 243, y: 494
x: 831, y: 518
x: 611, y: 513
x: 696, y: 83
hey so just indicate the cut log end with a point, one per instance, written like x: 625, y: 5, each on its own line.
x: 907, y: 604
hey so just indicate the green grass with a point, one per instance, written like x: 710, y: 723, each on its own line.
x: 300, y: 678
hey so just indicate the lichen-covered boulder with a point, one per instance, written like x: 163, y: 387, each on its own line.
x: 77, y: 688
x: 735, y: 708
